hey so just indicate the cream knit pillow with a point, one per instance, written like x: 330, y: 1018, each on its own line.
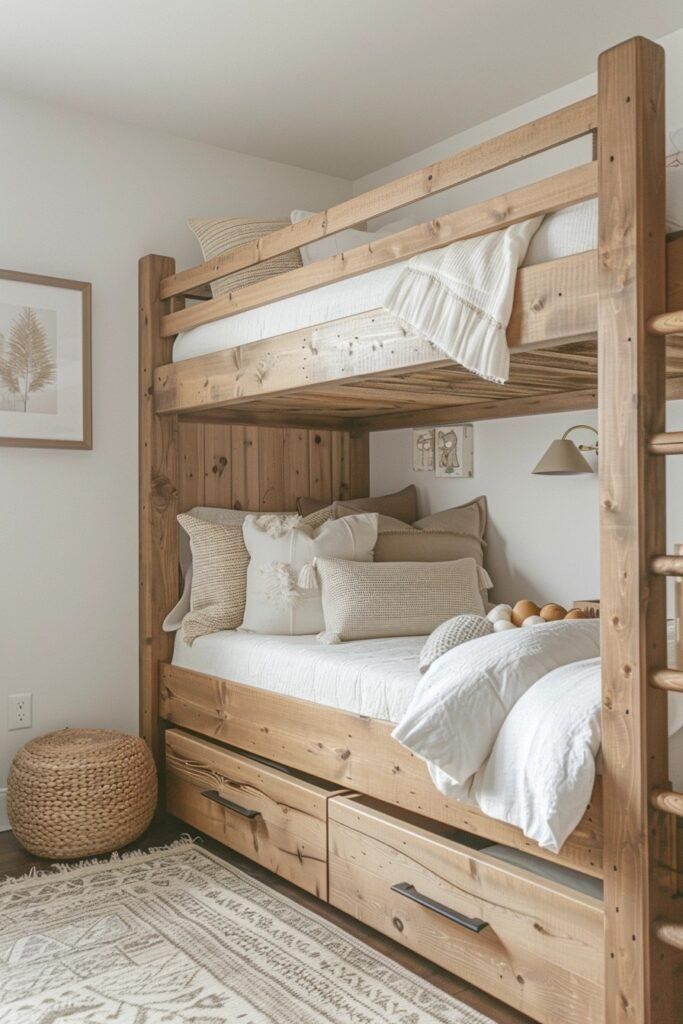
x: 451, y: 633
x: 219, y: 577
x: 361, y: 601
x: 217, y: 235
x: 283, y: 596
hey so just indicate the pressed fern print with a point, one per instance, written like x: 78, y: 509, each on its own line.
x: 27, y: 363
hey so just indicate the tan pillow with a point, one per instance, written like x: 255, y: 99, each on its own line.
x: 219, y: 577
x: 400, y: 505
x: 443, y: 537
x: 362, y: 600
x: 220, y: 234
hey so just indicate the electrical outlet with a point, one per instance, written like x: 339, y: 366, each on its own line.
x: 19, y: 710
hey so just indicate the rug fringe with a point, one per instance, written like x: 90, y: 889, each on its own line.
x: 66, y: 867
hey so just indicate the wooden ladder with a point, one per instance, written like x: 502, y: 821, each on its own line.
x: 642, y: 929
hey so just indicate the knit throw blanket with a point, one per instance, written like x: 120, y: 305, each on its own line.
x: 460, y: 297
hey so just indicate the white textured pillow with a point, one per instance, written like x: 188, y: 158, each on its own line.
x: 283, y: 597
x: 343, y: 240
x: 458, y: 630
x: 394, y: 598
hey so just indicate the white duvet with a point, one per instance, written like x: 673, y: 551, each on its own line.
x: 511, y: 723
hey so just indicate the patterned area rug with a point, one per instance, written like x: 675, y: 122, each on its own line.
x: 178, y: 936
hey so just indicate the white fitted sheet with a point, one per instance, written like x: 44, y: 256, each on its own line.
x: 376, y: 678
x: 561, y: 234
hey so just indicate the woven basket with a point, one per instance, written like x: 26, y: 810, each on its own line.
x: 80, y: 792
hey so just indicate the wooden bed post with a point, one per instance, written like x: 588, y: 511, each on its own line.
x: 158, y: 500
x: 631, y: 278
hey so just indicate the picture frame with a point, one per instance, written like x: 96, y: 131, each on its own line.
x: 454, y: 451
x: 45, y: 361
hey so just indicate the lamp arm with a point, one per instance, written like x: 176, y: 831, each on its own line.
x: 582, y: 447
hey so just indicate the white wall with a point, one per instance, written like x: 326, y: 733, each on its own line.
x: 543, y: 530
x: 84, y: 197
x: 543, y: 533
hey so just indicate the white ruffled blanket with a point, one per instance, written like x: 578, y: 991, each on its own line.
x: 511, y: 723
x: 460, y: 297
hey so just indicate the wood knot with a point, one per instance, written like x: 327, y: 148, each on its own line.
x: 397, y: 923
x: 537, y: 305
x: 345, y: 755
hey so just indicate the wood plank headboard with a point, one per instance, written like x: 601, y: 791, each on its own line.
x: 267, y: 468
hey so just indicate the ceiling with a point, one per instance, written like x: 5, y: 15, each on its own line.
x: 338, y: 86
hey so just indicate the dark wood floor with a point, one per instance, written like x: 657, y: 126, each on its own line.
x: 15, y: 861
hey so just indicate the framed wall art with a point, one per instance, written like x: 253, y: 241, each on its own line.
x: 45, y: 362
x: 454, y: 454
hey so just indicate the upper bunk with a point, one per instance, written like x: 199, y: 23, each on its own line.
x: 367, y: 370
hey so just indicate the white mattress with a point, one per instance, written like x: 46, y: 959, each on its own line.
x: 561, y: 234
x: 376, y: 678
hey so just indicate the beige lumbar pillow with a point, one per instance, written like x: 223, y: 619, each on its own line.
x: 217, y: 235
x: 219, y: 577
x: 361, y: 601
x: 451, y: 633
x: 283, y: 596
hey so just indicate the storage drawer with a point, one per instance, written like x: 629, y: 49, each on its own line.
x: 274, y: 818
x: 532, y: 942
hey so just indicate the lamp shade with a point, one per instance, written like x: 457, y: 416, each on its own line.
x: 562, y: 457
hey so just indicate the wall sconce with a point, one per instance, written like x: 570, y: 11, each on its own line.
x: 563, y: 457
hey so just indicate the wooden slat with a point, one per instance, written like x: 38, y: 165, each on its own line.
x: 544, y: 196
x: 536, y: 137
x: 158, y: 550
x: 296, y: 462
x: 667, y: 565
x: 670, y: 443
x: 190, y: 479
x: 350, y: 750
x: 217, y: 465
x: 631, y: 277
x: 668, y: 679
x: 667, y: 800
x: 245, y: 467
x: 667, y: 323
x: 271, y: 469
x: 320, y: 465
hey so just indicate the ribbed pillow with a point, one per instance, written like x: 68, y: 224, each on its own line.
x: 219, y: 577
x: 452, y: 633
x: 219, y: 235
x: 365, y: 600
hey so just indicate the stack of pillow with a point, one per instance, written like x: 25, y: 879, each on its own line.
x: 351, y: 570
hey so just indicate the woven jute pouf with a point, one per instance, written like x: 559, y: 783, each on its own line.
x: 80, y: 792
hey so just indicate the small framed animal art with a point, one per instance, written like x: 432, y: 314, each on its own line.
x: 423, y: 450
x: 454, y: 451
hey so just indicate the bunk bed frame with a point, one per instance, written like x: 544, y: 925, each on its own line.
x: 254, y: 426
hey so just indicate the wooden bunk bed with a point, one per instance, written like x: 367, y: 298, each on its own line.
x: 333, y: 802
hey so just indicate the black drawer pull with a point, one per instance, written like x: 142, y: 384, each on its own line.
x: 246, y: 812
x: 473, y: 924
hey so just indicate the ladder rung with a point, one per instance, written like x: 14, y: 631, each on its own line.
x: 667, y: 565
x: 669, y: 932
x: 666, y: 444
x: 667, y: 800
x: 667, y: 323
x: 667, y: 679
